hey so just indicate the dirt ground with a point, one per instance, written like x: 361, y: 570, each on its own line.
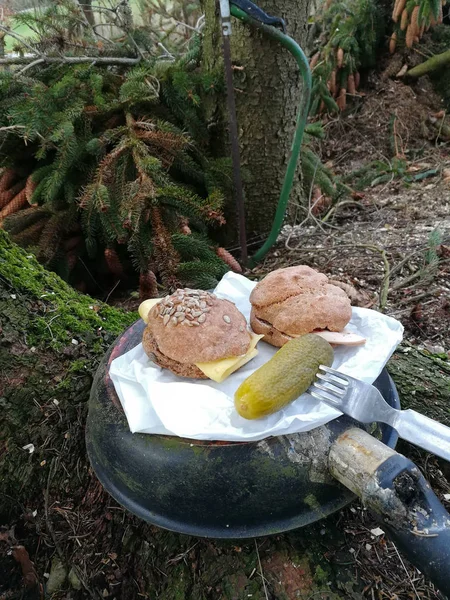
x: 392, y: 241
x: 391, y: 244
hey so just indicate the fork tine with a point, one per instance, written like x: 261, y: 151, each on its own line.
x: 332, y: 380
x: 324, y: 397
x: 333, y: 373
x: 330, y: 388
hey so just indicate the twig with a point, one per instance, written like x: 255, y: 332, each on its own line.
x: 47, y: 516
x: 83, y: 582
x: 12, y: 127
x: 105, y: 60
x: 340, y: 205
x: 19, y: 38
x: 406, y: 571
x: 38, y: 61
x: 112, y: 290
x: 166, y: 52
x: 261, y: 571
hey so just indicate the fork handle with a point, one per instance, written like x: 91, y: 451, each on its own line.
x: 423, y: 431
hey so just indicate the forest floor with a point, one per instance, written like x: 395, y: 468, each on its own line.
x: 392, y: 245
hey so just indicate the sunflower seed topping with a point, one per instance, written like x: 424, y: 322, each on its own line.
x: 187, y: 306
x: 226, y: 318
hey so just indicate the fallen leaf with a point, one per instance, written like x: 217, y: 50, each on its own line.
x: 402, y: 71
x: 20, y: 554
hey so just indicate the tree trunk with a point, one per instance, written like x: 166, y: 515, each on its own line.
x: 268, y: 92
x: 52, y: 504
x: 86, y: 5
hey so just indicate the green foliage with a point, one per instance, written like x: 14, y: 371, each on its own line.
x: 431, y: 255
x: 378, y: 171
x: 314, y: 172
x: 439, y: 42
x: 349, y: 35
x: 116, y: 159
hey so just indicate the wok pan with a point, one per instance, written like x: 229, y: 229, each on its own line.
x: 242, y: 490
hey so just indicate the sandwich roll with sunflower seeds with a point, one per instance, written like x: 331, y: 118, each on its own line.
x: 197, y: 335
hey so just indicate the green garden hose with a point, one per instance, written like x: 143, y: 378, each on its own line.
x: 302, y: 117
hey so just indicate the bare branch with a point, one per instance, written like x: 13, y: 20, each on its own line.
x: 38, y: 61
x: 71, y: 60
x: 19, y: 38
x: 12, y: 127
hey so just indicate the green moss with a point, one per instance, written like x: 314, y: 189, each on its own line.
x: 66, y: 316
x: 321, y: 577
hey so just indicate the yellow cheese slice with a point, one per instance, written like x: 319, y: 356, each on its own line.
x: 146, y: 306
x: 219, y: 370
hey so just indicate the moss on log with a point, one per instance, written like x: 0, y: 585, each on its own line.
x: 433, y: 64
x: 52, y: 339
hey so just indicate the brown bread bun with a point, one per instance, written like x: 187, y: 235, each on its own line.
x: 194, y: 326
x: 295, y: 301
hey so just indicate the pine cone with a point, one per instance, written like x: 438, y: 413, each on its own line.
x: 415, y: 21
x: 16, y: 204
x: 393, y: 42
x: 50, y: 240
x: 404, y: 21
x: 8, y: 195
x: 320, y: 201
x: 72, y: 258
x: 72, y: 243
x: 314, y: 60
x: 410, y: 36
x: 30, y: 235
x: 229, y: 260
x: 30, y: 188
x: 113, y: 262
x: 332, y: 83
x: 7, y: 178
x: 398, y: 9
x: 351, y: 84
x: 342, y: 99
x: 148, y: 287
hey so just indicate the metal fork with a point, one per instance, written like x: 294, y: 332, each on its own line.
x: 364, y: 403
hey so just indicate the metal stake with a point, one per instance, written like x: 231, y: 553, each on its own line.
x: 234, y: 136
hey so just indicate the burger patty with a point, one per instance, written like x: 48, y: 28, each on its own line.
x: 271, y: 334
x: 154, y: 353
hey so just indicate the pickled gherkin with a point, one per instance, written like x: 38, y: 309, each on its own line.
x: 282, y: 379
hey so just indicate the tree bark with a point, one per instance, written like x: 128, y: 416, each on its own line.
x: 268, y: 93
x: 51, y: 342
x: 86, y: 5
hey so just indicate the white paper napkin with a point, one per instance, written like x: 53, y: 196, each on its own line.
x: 159, y: 402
